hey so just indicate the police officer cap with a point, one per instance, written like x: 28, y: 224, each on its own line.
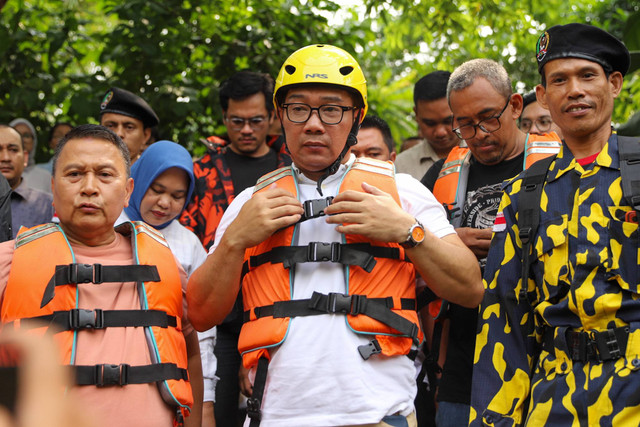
x: 584, y: 42
x: 120, y: 101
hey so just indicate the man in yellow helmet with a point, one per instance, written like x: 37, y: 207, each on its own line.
x: 326, y: 251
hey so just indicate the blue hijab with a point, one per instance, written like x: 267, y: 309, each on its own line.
x: 156, y: 159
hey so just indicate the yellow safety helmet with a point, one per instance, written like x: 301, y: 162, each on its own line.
x: 322, y: 64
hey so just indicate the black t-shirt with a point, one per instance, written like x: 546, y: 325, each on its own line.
x: 245, y: 171
x: 479, y: 211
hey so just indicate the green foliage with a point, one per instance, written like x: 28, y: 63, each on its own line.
x: 59, y: 57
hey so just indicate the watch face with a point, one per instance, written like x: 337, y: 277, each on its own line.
x: 417, y: 234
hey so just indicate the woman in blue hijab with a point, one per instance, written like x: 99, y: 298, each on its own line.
x: 162, y: 185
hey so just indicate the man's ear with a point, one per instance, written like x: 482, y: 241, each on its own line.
x: 517, y: 104
x: 616, y: 80
x: 26, y: 157
x: 129, y: 190
x: 147, y: 134
x: 541, y: 92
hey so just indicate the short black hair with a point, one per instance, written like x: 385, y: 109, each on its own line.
x: 95, y: 132
x: 4, y: 125
x: 431, y: 87
x: 244, y: 84
x: 373, y: 121
x: 528, y: 98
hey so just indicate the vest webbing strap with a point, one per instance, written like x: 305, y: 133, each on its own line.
x: 72, y: 274
x: 255, y: 401
x: 629, y: 149
x: 108, y: 375
x: 359, y: 254
x: 376, y: 308
x: 529, y: 214
x: 425, y: 297
x: 98, y: 319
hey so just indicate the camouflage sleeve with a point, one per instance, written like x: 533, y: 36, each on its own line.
x: 193, y: 217
x: 505, y: 338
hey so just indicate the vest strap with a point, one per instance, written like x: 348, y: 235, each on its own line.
x: 72, y: 274
x: 376, y: 308
x: 359, y: 254
x: 107, y: 375
x: 76, y: 319
x: 255, y: 401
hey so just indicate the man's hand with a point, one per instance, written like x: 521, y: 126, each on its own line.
x: 246, y: 387
x: 476, y: 239
x: 373, y: 214
x: 264, y: 214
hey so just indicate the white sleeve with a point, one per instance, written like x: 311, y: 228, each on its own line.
x: 420, y: 202
x: 207, y: 341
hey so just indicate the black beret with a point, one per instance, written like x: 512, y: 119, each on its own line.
x: 120, y: 101
x: 584, y: 42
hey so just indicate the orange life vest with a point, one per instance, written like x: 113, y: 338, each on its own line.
x: 389, y: 286
x: 43, y: 255
x: 450, y: 188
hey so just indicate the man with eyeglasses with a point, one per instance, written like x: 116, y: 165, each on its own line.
x: 433, y: 117
x: 326, y: 252
x: 536, y: 119
x: 469, y: 184
x: 230, y: 165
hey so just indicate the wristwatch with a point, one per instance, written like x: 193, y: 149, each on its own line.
x: 415, y: 236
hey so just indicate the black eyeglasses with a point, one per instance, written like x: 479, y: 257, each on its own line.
x: 329, y: 114
x: 237, y: 123
x: 543, y: 124
x: 488, y: 125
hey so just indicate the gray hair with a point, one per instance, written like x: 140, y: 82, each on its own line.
x: 93, y: 132
x: 467, y: 73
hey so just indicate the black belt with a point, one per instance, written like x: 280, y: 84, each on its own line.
x: 598, y: 346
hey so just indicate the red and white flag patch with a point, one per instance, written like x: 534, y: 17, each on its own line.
x: 499, y: 224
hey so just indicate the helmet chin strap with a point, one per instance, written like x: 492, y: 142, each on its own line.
x: 333, y: 167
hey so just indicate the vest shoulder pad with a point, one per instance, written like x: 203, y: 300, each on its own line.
x: 31, y: 234
x: 272, y: 177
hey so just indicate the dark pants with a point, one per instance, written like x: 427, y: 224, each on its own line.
x: 227, y: 389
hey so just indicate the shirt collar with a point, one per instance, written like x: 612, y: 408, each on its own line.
x: 565, y: 161
x: 342, y: 169
x: 22, y: 189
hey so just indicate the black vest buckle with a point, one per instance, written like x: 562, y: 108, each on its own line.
x: 86, y: 319
x: 323, y: 251
x: 368, y: 350
x: 106, y: 375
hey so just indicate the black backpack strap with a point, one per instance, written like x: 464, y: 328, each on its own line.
x: 529, y: 213
x: 76, y: 319
x: 629, y: 151
x: 72, y: 274
x: 107, y: 375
